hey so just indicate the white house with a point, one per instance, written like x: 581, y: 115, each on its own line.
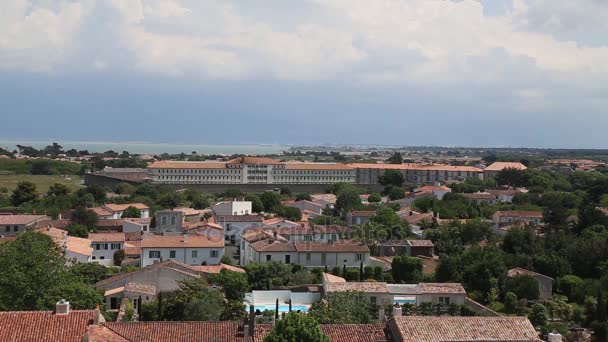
x: 437, y: 190
x: 77, y: 250
x: 11, y: 225
x: 132, y: 225
x: 118, y: 209
x: 509, y: 217
x: 234, y: 224
x: 232, y: 208
x: 187, y: 249
x: 105, y: 245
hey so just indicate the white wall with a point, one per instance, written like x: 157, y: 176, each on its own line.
x: 233, y: 208
x: 105, y: 256
x: 183, y: 255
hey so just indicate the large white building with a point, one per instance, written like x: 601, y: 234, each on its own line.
x: 250, y: 170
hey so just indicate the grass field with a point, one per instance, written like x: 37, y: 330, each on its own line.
x: 42, y: 182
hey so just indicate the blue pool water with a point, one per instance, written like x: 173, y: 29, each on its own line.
x: 282, y: 307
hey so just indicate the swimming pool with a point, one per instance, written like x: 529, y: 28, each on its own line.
x: 282, y: 307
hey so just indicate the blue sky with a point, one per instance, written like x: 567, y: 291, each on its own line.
x: 420, y: 72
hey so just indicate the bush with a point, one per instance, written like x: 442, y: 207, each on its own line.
x: 524, y: 286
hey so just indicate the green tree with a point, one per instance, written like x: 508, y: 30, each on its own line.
x: 85, y: 217
x: 344, y: 308
x: 511, y: 303
x: 41, y: 167
x: 89, y: 273
x: 296, y: 327
x: 256, y: 203
x: 234, y: 284
x: 391, y: 177
x: 305, y: 196
x: 31, y: 265
x: 118, y: 257
x: 80, y: 295
x: 406, y: 269
x: 77, y: 230
x: 393, y: 192
x: 396, y: 158
x: 193, y: 301
x: 270, y: 199
x: 234, y: 310
x: 98, y: 192
x: 24, y: 192
x: 538, y: 315
x: 524, y: 286
x: 131, y: 212
x: 124, y: 189
x: 374, y: 198
x: 57, y: 190
x: 292, y: 213
x: 347, y: 199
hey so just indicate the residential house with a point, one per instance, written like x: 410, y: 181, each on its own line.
x: 314, y: 207
x: 479, y: 198
x: 280, y: 222
x: 63, y: 324
x: 191, y: 214
x: 136, y: 293
x: 492, y: 170
x: 406, y: 247
x: 11, y: 225
x: 234, y: 224
x: 325, y: 200
x: 105, y: 245
x: 453, y: 328
x: 232, y: 208
x: 503, y: 218
x: 118, y: 209
x: 132, y: 225
x: 358, y: 217
x: 187, y: 249
x: 376, y: 292
x: 77, y: 250
x: 438, y: 191
x: 545, y: 283
x: 168, y: 221
x: 506, y: 196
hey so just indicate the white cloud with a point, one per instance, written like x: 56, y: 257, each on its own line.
x: 35, y: 37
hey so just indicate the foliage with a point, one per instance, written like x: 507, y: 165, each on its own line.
x: 131, y: 212
x: 347, y: 199
x: 374, y: 198
x: 58, y: 190
x: 538, y: 315
x: 396, y: 158
x: 234, y: 284
x: 80, y: 295
x: 234, y: 310
x: 193, y: 301
x: 89, y: 273
x: 25, y: 192
x: 406, y: 269
x: 256, y: 203
x: 77, y: 230
x: 511, y: 303
x: 344, y: 308
x: 391, y: 177
x: 306, y: 197
x: 269, y: 200
x: 524, y: 286
x: 118, y: 257
x: 296, y: 327
x: 85, y: 217
x: 124, y: 189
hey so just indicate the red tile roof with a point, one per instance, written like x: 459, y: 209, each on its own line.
x: 21, y: 219
x: 470, y: 329
x: 499, y: 166
x: 442, y: 288
x: 522, y: 271
x: 363, y: 212
x: 520, y: 213
x: 180, y: 241
x: 44, y: 326
x: 177, y: 331
x: 123, y: 207
x: 336, y: 332
x: 107, y: 237
x: 338, y: 246
x: 239, y: 218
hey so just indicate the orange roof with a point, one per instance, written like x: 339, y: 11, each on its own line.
x: 20, y: 219
x: 183, y: 241
x: 363, y: 212
x: 419, y: 167
x: 442, y: 288
x: 253, y: 160
x: 123, y: 207
x: 215, y: 269
x: 45, y: 326
x: 100, y: 211
x: 317, y: 166
x: 338, y: 246
x: 433, y: 188
x: 186, y: 165
x: 520, y: 213
x: 448, y: 328
x: 499, y: 166
x: 330, y: 278
x: 107, y: 237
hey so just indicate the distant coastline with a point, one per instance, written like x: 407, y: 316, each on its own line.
x: 153, y: 148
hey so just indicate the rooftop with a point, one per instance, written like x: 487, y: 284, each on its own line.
x: 442, y: 288
x: 469, y: 329
x: 361, y: 286
x: 45, y: 326
x: 522, y: 271
x: 520, y: 213
x: 499, y: 166
x: 123, y: 207
x: 239, y: 218
x: 107, y: 237
x: 182, y: 241
x: 21, y: 219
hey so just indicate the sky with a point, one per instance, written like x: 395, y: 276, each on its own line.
x: 518, y: 73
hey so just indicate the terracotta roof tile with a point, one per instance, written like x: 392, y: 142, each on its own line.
x: 239, y: 218
x: 187, y: 241
x: 21, y: 219
x: 363, y: 286
x: 44, y: 326
x: 520, y: 213
x: 107, y: 237
x: 470, y: 329
x: 442, y: 288
x: 499, y: 166
x: 123, y: 207
x: 177, y: 331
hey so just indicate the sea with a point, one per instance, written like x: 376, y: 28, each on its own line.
x: 152, y: 148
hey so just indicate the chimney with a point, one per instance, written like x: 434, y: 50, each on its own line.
x: 381, y: 315
x: 246, y: 333
x: 62, y: 307
x: 251, y: 326
x: 98, y: 316
x: 554, y: 337
x: 185, y: 238
x: 397, y: 311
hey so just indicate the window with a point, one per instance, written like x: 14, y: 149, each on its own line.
x: 154, y: 254
x: 172, y: 254
x: 102, y: 257
x: 105, y: 246
x: 268, y: 257
x: 373, y: 299
x: 16, y: 228
x: 323, y: 259
x: 164, y: 220
x: 307, y: 258
x: 7, y: 229
x: 358, y: 256
x: 214, y: 254
x: 173, y: 220
x: 288, y: 259
x: 194, y: 254
x: 444, y: 300
x: 115, y: 246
